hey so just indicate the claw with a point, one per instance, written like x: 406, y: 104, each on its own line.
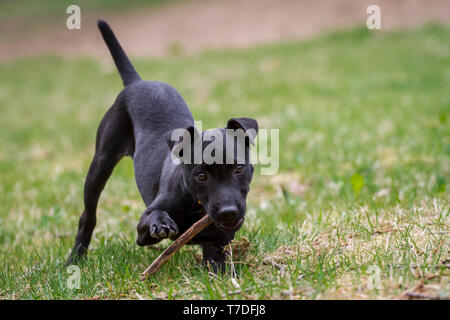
x: 162, y: 234
x: 163, y: 228
x: 153, y: 232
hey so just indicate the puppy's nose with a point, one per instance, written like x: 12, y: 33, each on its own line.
x: 227, y: 213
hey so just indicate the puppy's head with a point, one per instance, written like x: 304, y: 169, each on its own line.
x: 216, y: 168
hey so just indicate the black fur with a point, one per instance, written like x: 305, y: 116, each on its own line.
x: 123, y: 64
x: 138, y: 125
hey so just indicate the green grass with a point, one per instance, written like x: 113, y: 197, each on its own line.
x: 26, y: 18
x: 45, y: 8
x: 362, y: 189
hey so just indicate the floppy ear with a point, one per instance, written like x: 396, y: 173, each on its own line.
x: 249, y: 125
x: 177, y: 138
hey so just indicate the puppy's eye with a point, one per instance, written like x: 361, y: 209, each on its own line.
x: 239, y: 169
x: 201, y: 177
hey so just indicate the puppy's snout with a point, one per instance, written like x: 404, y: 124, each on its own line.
x: 227, y: 213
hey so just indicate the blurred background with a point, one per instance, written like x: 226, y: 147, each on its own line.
x: 364, y: 144
x: 151, y: 28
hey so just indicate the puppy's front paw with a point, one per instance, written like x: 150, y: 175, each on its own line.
x: 214, y: 257
x: 162, y: 227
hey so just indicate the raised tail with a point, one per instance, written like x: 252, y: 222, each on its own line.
x: 123, y: 64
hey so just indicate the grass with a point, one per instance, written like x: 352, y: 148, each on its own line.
x: 359, y: 208
x: 27, y: 18
x: 27, y: 9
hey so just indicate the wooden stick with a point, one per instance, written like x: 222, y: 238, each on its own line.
x: 201, y: 224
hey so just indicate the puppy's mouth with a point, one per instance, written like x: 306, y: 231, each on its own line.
x: 231, y: 226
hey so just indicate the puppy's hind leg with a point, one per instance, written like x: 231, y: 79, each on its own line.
x: 114, y: 140
x: 99, y: 172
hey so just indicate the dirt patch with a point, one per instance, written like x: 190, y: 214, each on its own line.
x: 199, y: 25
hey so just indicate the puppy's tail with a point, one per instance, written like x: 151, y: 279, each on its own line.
x: 123, y: 64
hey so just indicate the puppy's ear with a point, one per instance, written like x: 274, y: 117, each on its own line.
x: 249, y: 125
x: 168, y: 138
x: 178, y: 139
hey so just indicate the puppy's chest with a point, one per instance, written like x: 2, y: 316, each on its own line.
x: 186, y: 216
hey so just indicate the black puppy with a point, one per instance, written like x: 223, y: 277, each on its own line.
x: 140, y: 124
